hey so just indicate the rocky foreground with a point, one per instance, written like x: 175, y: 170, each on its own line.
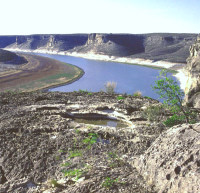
x: 56, y: 142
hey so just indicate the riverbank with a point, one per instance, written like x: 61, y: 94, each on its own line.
x: 178, y: 67
x: 93, y: 56
x: 39, y: 73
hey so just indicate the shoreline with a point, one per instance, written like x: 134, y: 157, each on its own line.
x: 181, y: 76
x: 64, y: 83
x: 25, y: 79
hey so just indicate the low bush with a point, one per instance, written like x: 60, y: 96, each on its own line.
x: 110, y: 87
x: 174, y: 120
x: 120, y: 97
x: 137, y: 94
x: 180, y: 119
x: 154, y: 113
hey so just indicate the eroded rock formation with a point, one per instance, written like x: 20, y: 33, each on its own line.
x: 39, y: 132
x: 66, y: 142
x: 192, y: 90
x: 172, y: 163
x: 167, y: 47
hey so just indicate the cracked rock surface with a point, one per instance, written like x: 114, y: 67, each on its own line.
x: 75, y: 142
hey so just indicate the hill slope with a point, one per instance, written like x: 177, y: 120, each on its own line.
x: 11, y: 58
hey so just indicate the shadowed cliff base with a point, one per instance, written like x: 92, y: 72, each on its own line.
x: 38, y: 73
x: 7, y: 57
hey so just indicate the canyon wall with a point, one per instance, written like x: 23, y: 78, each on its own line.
x: 166, y: 47
x: 192, y: 90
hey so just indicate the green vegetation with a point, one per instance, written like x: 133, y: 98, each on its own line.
x: 169, y: 90
x: 147, y: 97
x: 66, y: 164
x: 109, y: 182
x: 91, y: 139
x: 81, y: 168
x: 120, y: 97
x: 82, y: 91
x: 75, y: 173
x: 153, y: 113
x: 114, y: 160
x: 75, y: 153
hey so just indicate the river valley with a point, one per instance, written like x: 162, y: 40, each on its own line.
x: 129, y: 78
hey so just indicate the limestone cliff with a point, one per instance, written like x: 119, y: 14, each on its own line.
x: 157, y: 46
x: 193, y: 70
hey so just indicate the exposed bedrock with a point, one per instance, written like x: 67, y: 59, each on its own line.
x: 193, y: 71
x: 44, y: 134
x: 172, y: 163
x: 167, y: 47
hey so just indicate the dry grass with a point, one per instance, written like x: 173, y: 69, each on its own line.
x: 137, y: 93
x: 110, y: 87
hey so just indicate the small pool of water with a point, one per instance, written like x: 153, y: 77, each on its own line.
x: 110, y: 123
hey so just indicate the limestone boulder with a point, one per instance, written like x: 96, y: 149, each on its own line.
x: 172, y: 162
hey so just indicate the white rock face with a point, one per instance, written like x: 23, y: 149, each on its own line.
x: 172, y: 163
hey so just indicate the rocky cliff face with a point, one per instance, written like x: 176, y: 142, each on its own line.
x: 167, y: 47
x: 193, y: 70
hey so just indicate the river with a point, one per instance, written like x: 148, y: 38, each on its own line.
x: 129, y: 78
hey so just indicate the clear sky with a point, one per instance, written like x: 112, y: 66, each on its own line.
x: 22, y: 17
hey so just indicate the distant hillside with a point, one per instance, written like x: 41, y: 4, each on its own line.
x: 6, y: 56
x: 157, y: 46
x: 11, y: 58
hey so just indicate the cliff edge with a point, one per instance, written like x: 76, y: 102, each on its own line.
x: 168, y: 47
x: 192, y: 90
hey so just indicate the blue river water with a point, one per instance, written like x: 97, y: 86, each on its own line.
x: 129, y: 78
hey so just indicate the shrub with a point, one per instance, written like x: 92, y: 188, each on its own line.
x: 120, y: 97
x: 169, y: 90
x: 154, y: 112
x: 137, y: 94
x: 147, y: 97
x: 110, y: 87
x: 174, y: 120
x: 179, y: 119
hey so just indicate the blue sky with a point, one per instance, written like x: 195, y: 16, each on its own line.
x: 21, y: 17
